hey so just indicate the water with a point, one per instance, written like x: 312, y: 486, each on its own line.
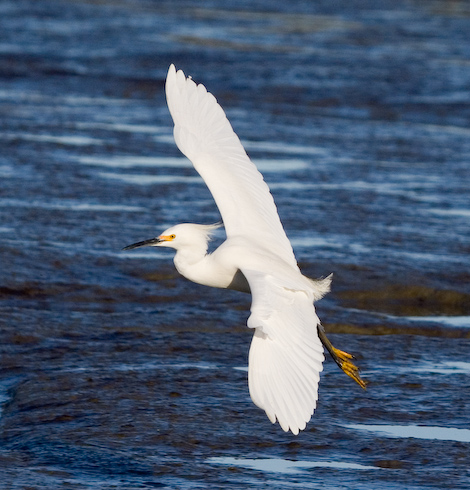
x: 116, y: 373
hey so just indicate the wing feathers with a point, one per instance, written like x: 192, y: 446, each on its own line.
x: 204, y: 134
x: 286, y: 354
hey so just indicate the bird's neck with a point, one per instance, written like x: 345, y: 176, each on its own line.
x: 189, y: 256
x: 202, y: 268
x: 190, y: 261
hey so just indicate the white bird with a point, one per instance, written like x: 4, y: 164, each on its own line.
x: 286, y: 353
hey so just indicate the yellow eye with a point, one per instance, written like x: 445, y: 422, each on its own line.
x: 173, y: 236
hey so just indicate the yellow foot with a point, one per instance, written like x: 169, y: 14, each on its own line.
x: 342, y: 359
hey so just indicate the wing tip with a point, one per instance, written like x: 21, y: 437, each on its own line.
x: 174, y: 78
x: 293, y: 408
x: 171, y: 76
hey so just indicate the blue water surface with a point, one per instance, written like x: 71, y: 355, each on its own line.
x: 115, y: 373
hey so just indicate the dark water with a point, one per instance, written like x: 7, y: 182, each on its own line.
x: 117, y: 374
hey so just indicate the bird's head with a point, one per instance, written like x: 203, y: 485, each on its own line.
x: 179, y: 236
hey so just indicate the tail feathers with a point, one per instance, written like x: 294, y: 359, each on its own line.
x: 321, y: 286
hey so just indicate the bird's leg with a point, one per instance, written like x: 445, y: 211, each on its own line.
x: 343, y: 359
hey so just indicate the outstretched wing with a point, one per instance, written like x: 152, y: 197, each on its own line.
x: 286, y: 354
x: 204, y: 134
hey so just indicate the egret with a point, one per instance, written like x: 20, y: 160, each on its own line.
x: 286, y: 353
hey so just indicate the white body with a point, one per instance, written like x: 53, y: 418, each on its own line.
x: 286, y: 353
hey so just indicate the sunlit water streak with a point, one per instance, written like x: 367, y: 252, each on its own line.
x: 69, y: 206
x: 263, y: 165
x: 148, y: 366
x: 416, y: 432
x: 151, y: 179
x: 446, y: 368
x: 285, y: 466
x: 453, y: 321
x: 70, y: 140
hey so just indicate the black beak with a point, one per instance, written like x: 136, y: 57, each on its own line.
x: 145, y: 243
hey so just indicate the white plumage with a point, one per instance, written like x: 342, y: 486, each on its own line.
x: 286, y: 353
